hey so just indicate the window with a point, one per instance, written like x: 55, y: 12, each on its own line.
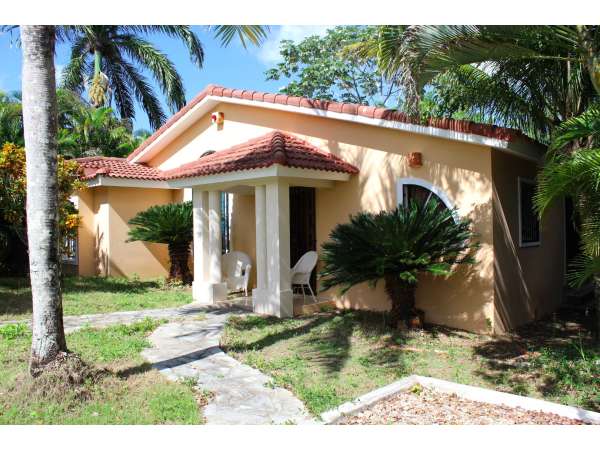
x: 416, y: 189
x: 225, y: 222
x: 69, y: 250
x: 420, y: 194
x: 529, y: 225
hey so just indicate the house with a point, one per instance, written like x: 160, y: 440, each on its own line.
x: 271, y: 175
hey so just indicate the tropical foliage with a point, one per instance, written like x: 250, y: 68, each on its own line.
x: 572, y: 169
x: 110, y: 60
x: 397, y: 246
x: 322, y: 67
x: 169, y: 224
x: 11, y: 118
x: 13, y: 194
x: 528, y: 77
x: 83, y: 130
x: 95, y: 132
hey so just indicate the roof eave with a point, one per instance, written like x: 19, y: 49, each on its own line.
x: 527, y: 151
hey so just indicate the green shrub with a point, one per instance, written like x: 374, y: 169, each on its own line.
x: 13, y: 331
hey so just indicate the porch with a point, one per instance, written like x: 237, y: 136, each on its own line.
x: 302, y: 305
x: 267, y: 168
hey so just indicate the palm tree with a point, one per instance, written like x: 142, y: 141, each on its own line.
x: 576, y: 174
x: 169, y: 224
x: 39, y: 122
x: 528, y: 77
x: 11, y: 121
x: 95, y: 131
x: 397, y: 246
x: 110, y: 60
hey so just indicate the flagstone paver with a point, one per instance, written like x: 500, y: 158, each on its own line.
x: 187, y: 347
x: 242, y: 394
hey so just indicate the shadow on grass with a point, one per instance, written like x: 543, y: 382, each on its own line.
x: 555, y: 358
x: 108, y: 285
x: 15, y: 292
x: 326, y: 338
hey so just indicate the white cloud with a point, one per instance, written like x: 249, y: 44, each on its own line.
x: 268, y: 52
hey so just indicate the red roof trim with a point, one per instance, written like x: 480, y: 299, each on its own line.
x: 460, y: 126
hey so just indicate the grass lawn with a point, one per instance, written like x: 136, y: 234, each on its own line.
x: 90, y: 295
x: 332, y: 357
x: 128, y: 391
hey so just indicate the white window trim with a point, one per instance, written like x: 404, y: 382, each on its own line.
x: 521, y: 243
x: 427, y: 185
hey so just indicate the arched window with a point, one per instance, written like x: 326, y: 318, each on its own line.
x: 416, y: 189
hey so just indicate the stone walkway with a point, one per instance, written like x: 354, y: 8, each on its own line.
x: 242, y: 395
x: 74, y: 323
x: 187, y: 347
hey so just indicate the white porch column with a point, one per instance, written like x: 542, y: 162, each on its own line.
x: 217, y: 290
x: 260, y: 208
x: 208, y: 287
x: 279, y: 298
x: 200, y: 244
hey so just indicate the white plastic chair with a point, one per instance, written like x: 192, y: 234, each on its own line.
x: 236, y: 271
x: 302, y: 270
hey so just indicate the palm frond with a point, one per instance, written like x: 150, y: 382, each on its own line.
x: 163, y: 70
x: 247, y: 34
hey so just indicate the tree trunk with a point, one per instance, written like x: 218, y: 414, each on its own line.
x: 402, y: 295
x: 596, y: 319
x: 39, y: 123
x: 179, y: 254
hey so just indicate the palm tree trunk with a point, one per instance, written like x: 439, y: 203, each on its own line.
x: 97, y: 62
x: 402, y: 296
x: 179, y: 254
x: 39, y: 121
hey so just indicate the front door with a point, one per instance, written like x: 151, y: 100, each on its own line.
x: 303, y: 235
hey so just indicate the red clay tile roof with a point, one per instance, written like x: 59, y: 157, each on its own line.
x: 116, y: 168
x: 275, y: 147
x: 462, y: 126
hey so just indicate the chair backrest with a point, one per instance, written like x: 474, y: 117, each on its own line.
x: 306, y: 263
x: 234, y: 263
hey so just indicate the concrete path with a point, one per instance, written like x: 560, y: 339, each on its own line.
x: 243, y: 395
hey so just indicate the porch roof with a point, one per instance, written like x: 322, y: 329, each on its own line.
x: 273, y: 148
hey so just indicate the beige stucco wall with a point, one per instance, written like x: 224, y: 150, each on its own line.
x: 103, y: 249
x: 462, y: 171
x: 475, y: 179
x: 528, y: 280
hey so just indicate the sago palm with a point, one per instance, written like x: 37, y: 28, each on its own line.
x: 169, y: 224
x: 109, y: 61
x: 397, y: 246
x: 576, y: 174
x: 528, y: 77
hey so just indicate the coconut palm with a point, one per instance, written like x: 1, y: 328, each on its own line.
x: 109, y: 61
x: 39, y: 123
x: 169, y: 224
x: 397, y: 246
x: 576, y: 174
x: 528, y: 77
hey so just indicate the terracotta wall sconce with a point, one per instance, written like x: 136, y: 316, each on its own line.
x: 218, y: 118
x: 415, y: 160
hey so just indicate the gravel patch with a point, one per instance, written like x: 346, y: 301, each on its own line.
x: 425, y: 406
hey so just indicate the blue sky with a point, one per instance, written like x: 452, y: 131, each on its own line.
x: 232, y: 66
